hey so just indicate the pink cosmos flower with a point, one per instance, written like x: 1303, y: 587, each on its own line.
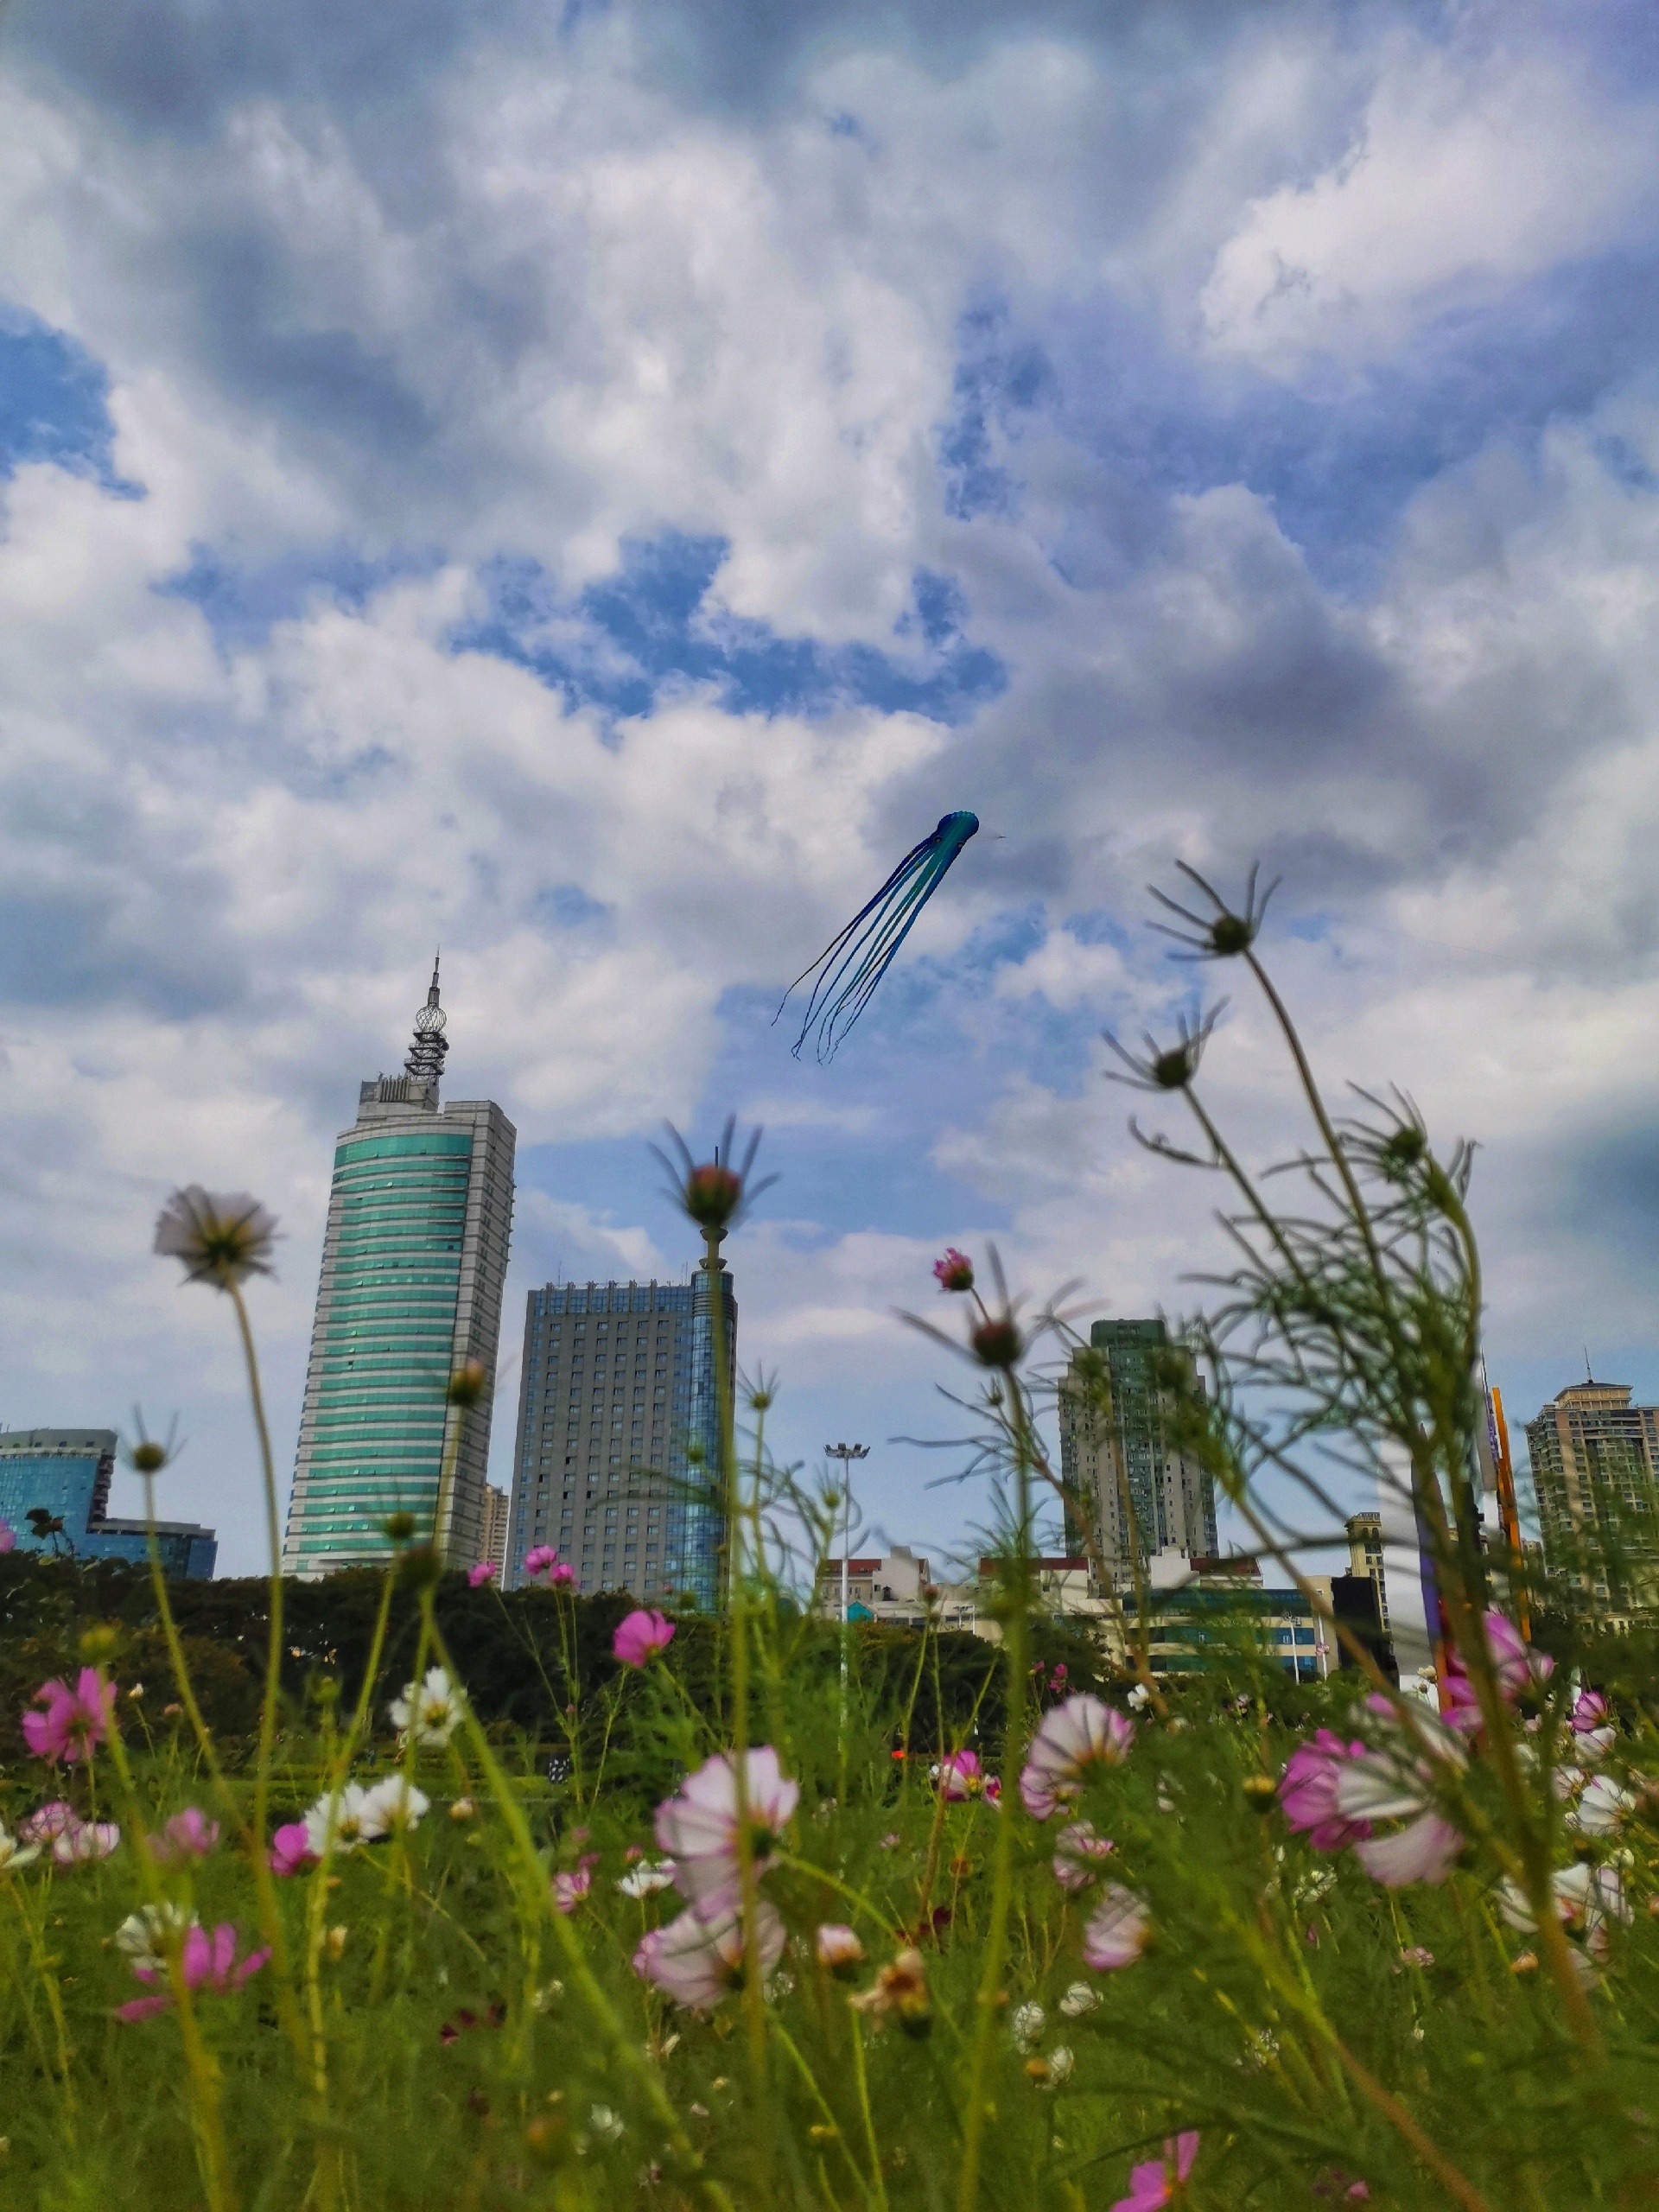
x: 1592, y: 1726
x: 49, y: 1821
x: 290, y: 1849
x: 1519, y: 1666
x: 8, y: 1537
x: 1384, y: 1786
x: 1078, y: 1852
x: 210, y: 1967
x: 959, y: 1778
x: 572, y: 1883
x: 1119, y: 1930
x: 86, y: 1841
x: 189, y: 1834
x: 698, y: 1827
x: 1162, y: 2181
x: 640, y: 1636
x: 542, y: 1564
x: 481, y: 1573
x: 697, y: 1961
x: 1077, y: 1733
x: 954, y: 1271
x: 1307, y: 1792
x: 75, y: 1721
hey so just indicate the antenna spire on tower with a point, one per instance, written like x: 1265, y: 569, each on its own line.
x: 429, y: 1045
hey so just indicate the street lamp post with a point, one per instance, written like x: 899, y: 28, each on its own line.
x: 846, y: 1453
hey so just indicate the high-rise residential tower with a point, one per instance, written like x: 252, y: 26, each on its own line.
x: 413, y: 1262
x: 618, y: 1435
x: 1143, y: 1492
x: 1595, y: 1469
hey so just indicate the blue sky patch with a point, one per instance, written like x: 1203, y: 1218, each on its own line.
x: 628, y: 638
x: 53, y: 404
x: 242, y: 604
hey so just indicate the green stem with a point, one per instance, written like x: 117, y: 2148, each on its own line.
x: 990, y: 1981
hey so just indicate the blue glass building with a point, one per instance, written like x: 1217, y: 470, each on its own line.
x: 67, y: 1473
x: 617, y: 1444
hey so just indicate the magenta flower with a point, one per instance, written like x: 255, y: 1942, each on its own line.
x: 210, y: 1966
x: 641, y: 1636
x: 1078, y: 1854
x: 954, y: 1271
x: 75, y: 1721
x: 959, y: 1778
x: 1162, y: 2181
x: 483, y: 1571
x: 189, y: 1834
x: 572, y: 1883
x: 542, y: 1564
x: 290, y: 1849
x: 86, y: 1841
x: 696, y: 1961
x: 1307, y: 1791
x: 1118, y: 1930
x: 1077, y: 1733
x: 8, y: 1537
x: 1519, y: 1667
x: 698, y: 1827
x: 1593, y: 1725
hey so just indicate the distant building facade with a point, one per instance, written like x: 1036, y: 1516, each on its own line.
x: 496, y: 1518
x: 890, y: 1586
x: 66, y: 1473
x: 1595, y: 1472
x: 1364, y: 1534
x: 1145, y: 1495
x: 414, y: 1259
x: 618, y: 1436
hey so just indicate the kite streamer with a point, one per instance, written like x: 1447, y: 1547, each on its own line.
x: 851, y: 966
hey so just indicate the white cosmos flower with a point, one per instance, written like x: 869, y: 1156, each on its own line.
x: 1060, y: 2063
x: 1078, y: 2000
x: 338, y: 1823
x: 1027, y: 2026
x: 142, y: 1934
x: 14, y: 1853
x: 393, y: 1805
x: 646, y: 1879
x: 429, y: 1710
x: 1602, y: 1807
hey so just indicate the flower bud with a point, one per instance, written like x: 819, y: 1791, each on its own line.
x: 954, y: 1271
x: 398, y: 1528
x: 99, y: 1643
x: 468, y: 1383
x: 148, y: 1457
x: 996, y: 1343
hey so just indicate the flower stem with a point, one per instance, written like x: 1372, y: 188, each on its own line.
x: 1015, y: 1639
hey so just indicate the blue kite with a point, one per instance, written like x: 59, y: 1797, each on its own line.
x: 853, y: 964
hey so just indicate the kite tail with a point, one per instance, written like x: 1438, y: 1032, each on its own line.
x: 851, y: 966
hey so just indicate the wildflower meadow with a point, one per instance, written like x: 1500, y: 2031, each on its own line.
x: 463, y: 1898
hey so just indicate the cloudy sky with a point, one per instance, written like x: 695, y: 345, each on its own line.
x: 590, y: 485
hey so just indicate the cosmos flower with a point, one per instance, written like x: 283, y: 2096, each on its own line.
x: 699, y: 1961
x: 542, y: 1564
x: 698, y: 1827
x: 1118, y: 1929
x: 142, y: 1934
x: 572, y: 1883
x: 290, y: 1849
x: 1388, y: 1785
x: 87, y: 1841
x: 1078, y: 1854
x: 640, y: 1636
x: 837, y: 1947
x: 430, y: 1711
x: 1078, y: 2001
x: 1602, y: 1808
x: 392, y: 1807
x: 75, y: 1721
x: 1307, y: 1792
x: 959, y: 1777
x: 210, y: 1967
x: 1079, y: 1733
x: 1588, y: 1898
x: 222, y: 1237
x: 49, y: 1820
x: 645, y: 1880
x: 8, y: 1537
x: 340, y: 1822
x: 189, y: 1834
x: 14, y: 1852
x: 1026, y: 2025
x: 480, y: 1572
x: 1162, y: 2181
x: 901, y: 1988
x: 954, y: 1271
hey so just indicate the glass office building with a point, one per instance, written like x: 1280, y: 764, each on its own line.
x: 414, y: 1259
x: 1118, y: 1459
x: 618, y: 1436
x: 66, y: 1473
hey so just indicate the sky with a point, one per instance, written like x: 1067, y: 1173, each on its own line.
x: 588, y: 487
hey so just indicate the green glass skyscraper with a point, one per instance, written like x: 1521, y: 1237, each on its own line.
x: 414, y: 1259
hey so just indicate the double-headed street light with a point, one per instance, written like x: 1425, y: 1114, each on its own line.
x: 846, y: 1453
